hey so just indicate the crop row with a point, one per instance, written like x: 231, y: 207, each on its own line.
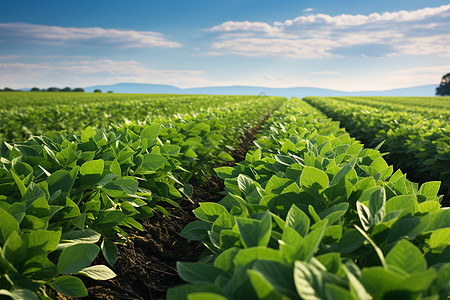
x: 311, y: 214
x: 66, y: 197
x: 429, y: 107
x: 75, y: 114
x: 418, y: 145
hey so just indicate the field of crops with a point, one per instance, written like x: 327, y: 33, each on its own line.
x: 415, y: 131
x: 122, y: 182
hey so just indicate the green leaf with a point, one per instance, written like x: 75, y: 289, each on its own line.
x: 245, y: 184
x: 377, y: 202
x: 198, y: 273
x: 14, y: 249
x: 19, y: 294
x: 8, y: 224
x: 440, y: 238
x: 87, y: 134
x: 255, y: 232
x: 308, y: 281
x: 298, y: 220
x: 313, y: 180
x: 151, y: 162
x: 195, y: 231
x: 225, y: 259
x: 430, y: 188
x: 356, y: 287
x: 209, y: 211
x: 407, y: 257
x: 109, y: 219
x: 115, y: 168
x: 92, y: 167
x: 76, y: 258
x: 244, y: 256
x: 69, y: 286
x: 109, y: 250
x: 334, y: 213
x: 335, y: 292
x: 98, y: 272
x: 312, y: 241
x: 262, y: 286
x: 84, y: 236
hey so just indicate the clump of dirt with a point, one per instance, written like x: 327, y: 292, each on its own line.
x: 146, y: 264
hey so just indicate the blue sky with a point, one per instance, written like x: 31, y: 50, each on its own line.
x: 344, y: 45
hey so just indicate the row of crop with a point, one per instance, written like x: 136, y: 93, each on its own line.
x: 429, y: 107
x: 311, y: 214
x: 66, y: 197
x: 419, y: 145
x: 22, y: 122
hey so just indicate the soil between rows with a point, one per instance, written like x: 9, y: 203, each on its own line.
x: 146, y: 264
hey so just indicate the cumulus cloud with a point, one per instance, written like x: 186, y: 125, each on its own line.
x: 87, y: 72
x: 419, y: 32
x: 90, y: 36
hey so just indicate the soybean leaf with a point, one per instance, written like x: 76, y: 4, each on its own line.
x: 298, y: 220
x: 98, y: 272
x: 198, y: 273
x: 109, y: 250
x: 69, y: 286
x: 76, y: 258
x: 255, y: 232
x: 407, y: 257
x: 92, y: 167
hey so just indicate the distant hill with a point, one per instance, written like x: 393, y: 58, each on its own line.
x: 142, y: 88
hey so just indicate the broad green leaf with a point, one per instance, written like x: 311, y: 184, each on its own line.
x: 244, y: 256
x: 356, y: 287
x: 440, y: 238
x: 76, y: 258
x: 430, y: 189
x: 312, y: 241
x: 335, y: 292
x: 19, y: 294
x: 109, y: 250
x: 334, y: 213
x: 263, y: 287
x: 151, y: 162
x: 195, y: 231
x: 8, y: 224
x: 245, y: 184
x: 92, y: 167
x: 109, y: 219
x: 198, y: 273
x: 209, y: 211
x: 407, y: 257
x: 255, y: 232
x: 14, y: 249
x: 87, y: 134
x: 298, y: 220
x: 313, y: 180
x: 98, y: 272
x: 309, y: 281
x: 377, y: 203
x: 84, y: 236
x: 115, y: 168
x: 225, y: 259
x: 70, y: 286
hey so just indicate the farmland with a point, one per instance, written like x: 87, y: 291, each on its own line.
x: 308, y: 212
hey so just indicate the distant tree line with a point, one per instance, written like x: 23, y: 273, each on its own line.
x: 444, y: 88
x: 52, y: 89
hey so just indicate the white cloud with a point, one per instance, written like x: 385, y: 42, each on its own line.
x: 310, y: 9
x: 91, y: 36
x: 89, y: 72
x: 419, y: 32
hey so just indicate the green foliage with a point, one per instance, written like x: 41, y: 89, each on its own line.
x: 414, y: 132
x: 66, y: 196
x: 311, y: 214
